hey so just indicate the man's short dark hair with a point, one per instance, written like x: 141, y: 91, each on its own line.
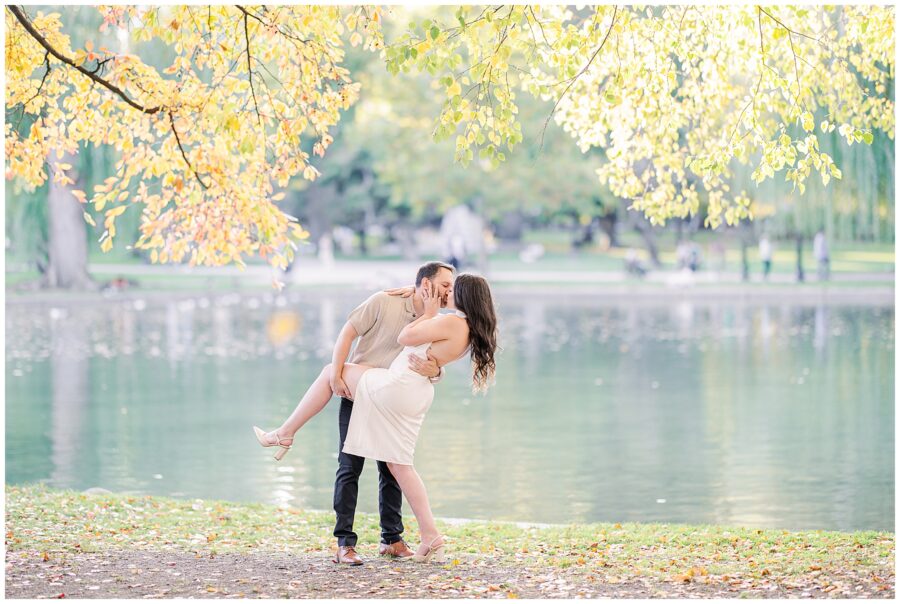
x: 430, y: 269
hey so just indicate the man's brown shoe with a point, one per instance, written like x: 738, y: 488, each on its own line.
x: 346, y: 554
x: 395, y: 550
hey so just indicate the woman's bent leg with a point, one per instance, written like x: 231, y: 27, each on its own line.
x: 317, y: 396
x: 414, y: 490
x: 315, y: 399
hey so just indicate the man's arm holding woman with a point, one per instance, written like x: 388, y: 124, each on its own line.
x: 339, y: 357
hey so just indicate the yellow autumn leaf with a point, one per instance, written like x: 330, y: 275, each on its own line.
x: 808, y: 121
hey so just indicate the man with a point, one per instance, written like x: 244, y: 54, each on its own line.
x: 376, y: 323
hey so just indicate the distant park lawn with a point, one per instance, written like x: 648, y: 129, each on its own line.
x: 559, y: 256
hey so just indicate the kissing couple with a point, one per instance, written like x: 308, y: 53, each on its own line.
x: 402, y: 345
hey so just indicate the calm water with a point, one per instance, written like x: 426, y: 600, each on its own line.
x: 768, y: 415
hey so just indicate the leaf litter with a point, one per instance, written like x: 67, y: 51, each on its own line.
x: 75, y: 545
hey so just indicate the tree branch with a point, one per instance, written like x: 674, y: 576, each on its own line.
x: 789, y: 30
x: 100, y: 64
x: 183, y: 154
x: 541, y: 27
x: 790, y: 39
x: 250, y: 67
x: 43, y: 79
x: 578, y: 75
x: 34, y: 33
x: 762, y: 57
x: 293, y: 37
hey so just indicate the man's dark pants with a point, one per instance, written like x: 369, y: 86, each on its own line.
x: 346, y: 488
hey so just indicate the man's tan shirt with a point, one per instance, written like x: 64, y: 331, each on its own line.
x: 378, y: 321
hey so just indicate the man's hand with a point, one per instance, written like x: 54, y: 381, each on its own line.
x: 339, y: 387
x: 426, y: 367
x: 403, y: 292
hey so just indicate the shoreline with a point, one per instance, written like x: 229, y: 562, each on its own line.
x: 578, y: 284
x: 109, y: 545
x: 847, y: 293
x: 448, y: 520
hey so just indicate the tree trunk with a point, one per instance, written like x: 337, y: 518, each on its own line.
x: 745, y: 264
x: 363, y: 244
x: 649, y: 241
x: 481, y: 257
x: 585, y: 236
x: 800, y: 275
x: 642, y: 225
x: 313, y: 210
x: 694, y: 223
x: 745, y: 234
x: 67, y: 239
x: 511, y: 226
x: 607, y: 223
x: 367, y: 184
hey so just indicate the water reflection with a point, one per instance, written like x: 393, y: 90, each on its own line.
x: 686, y: 411
x: 70, y: 397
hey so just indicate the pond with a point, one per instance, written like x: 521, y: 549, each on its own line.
x: 732, y: 412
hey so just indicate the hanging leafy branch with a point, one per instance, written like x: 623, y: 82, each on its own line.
x: 675, y: 97
x: 203, y: 175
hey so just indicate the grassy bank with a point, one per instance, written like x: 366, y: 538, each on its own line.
x: 46, y: 526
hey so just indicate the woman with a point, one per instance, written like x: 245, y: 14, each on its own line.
x: 390, y: 404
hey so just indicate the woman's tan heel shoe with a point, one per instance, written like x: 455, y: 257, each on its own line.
x: 435, y: 553
x: 282, y: 448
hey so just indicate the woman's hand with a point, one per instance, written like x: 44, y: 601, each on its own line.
x: 403, y: 292
x: 432, y: 299
x: 338, y: 386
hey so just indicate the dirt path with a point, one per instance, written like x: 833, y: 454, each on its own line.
x: 151, y: 574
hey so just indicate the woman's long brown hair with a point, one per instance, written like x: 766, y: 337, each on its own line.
x: 472, y: 295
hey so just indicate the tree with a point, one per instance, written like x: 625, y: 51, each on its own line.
x: 206, y: 141
x: 46, y: 225
x: 388, y: 132
x: 396, y: 124
x: 673, y: 97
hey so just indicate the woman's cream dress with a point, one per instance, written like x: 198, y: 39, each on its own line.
x: 388, y: 410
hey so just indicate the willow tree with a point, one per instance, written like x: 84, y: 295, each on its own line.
x: 673, y: 96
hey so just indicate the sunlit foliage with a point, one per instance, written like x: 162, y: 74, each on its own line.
x: 673, y: 96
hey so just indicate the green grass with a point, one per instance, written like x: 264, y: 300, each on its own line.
x: 845, y: 257
x: 855, y: 257
x: 14, y: 278
x: 42, y: 519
